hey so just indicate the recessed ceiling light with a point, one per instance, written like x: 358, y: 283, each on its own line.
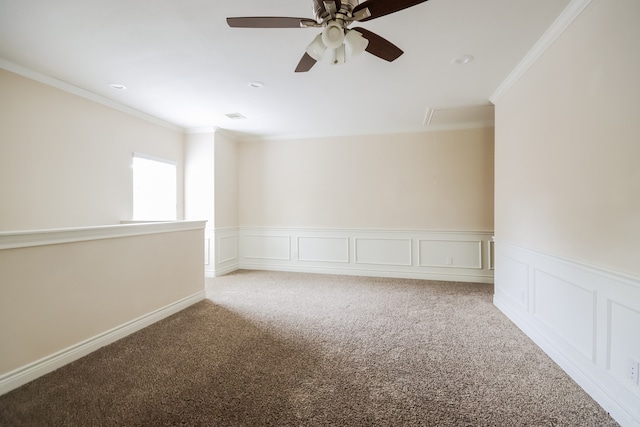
x: 464, y: 59
x: 256, y: 85
x: 117, y: 86
x: 235, y: 116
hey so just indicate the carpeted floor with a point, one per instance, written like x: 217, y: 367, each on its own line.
x: 288, y: 349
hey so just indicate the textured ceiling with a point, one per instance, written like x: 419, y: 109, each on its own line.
x: 183, y: 64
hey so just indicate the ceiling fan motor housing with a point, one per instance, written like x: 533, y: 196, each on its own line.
x: 321, y: 13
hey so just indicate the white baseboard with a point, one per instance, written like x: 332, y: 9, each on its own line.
x: 417, y: 254
x: 584, y: 317
x: 369, y: 273
x: 16, y: 378
x: 222, y: 271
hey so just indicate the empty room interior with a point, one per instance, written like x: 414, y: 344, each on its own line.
x: 162, y: 157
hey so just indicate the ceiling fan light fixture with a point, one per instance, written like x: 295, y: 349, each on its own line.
x: 316, y: 48
x: 356, y: 44
x: 336, y: 16
x: 333, y: 35
x: 339, y: 55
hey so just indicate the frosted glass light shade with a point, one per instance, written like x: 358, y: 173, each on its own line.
x: 316, y: 48
x: 356, y: 43
x: 333, y: 35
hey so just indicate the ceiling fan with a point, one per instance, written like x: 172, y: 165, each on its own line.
x: 336, y: 16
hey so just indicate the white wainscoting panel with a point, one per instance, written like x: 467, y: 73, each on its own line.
x: 265, y: 247
x: 381, y: 253
x: 587, y: 319
x: 451, y: 253
x: 624, y: 336
x: 552, y: 296
x: 323, y: 249
x: 514, y: 278
x: 226, y: 251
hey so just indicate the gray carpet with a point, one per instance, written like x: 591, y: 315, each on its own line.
x: 287, y: 349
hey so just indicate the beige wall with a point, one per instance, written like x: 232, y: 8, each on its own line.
x: 430, y: 181
x: 567, y: 145
x: 65, y: 161
x: 226, y: 180
x: 199, y: 176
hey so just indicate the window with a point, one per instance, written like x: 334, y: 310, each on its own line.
x: 154, y: 189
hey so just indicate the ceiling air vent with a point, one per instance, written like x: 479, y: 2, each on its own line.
x: 460, y: 117
x: 235, y: 116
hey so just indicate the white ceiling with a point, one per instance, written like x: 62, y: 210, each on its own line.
x: 183, y: 64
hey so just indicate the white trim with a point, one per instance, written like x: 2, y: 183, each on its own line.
x: 222, y: 271
x: 23, y: 239
x: 14, y: 379
x: 422, y: 129
x: 461, y: 126
x: 620, y: 276
x: 59, y: 84
x: 566, y: 18
x: 358, y: 230
x: 206, y: 129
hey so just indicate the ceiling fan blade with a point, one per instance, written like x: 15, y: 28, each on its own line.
x: 266, y: 22
x: 380, y: 8
x: 305, y: 63
x: 380, y: 47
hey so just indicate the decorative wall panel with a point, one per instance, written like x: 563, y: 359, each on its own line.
x: 323, y: 249
x: 266, y: 247
x: 383, y: 251
x: 451, y: 254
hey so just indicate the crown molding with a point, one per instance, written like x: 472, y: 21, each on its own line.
x: 205, y: 129
x: 59, y: 84
x: 566, y: 18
